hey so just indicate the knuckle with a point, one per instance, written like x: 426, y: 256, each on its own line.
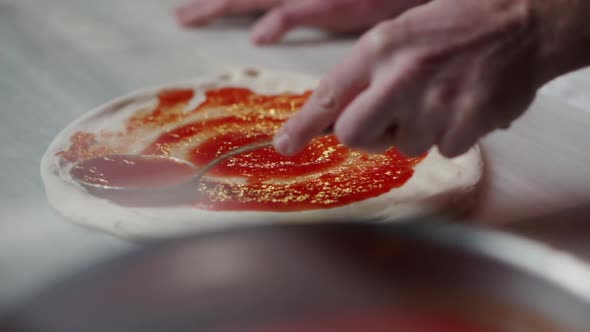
x: 378, y: 40
x: 473, y: 101
x: 522, y: 15
x: 435, y: 100
x: 405, y: 28
x: 416, y: 63
x: 440, y: 96
x: 383, y: 28
x: 425, y: 61
x: 412, y: 69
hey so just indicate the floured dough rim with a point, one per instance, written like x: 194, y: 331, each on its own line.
x: 438, y: 183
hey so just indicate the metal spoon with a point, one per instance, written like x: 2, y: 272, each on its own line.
x: 106, y: 188
x: 195, y: 178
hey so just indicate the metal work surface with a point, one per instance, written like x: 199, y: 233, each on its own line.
x: 60, y: 58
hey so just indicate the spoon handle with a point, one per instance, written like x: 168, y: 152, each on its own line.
x: 237, y: 151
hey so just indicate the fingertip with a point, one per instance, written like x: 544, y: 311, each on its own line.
x: 199, y: 13
x: 186, y: 18
x: 275, y: 24
x: 415, y: 142
x: 262, y: 39
x: 412, y: 150
x: 450, y: 151
x: 282, y: 143
x: 455, y: 143
x: 348, y: 135
x: 287, y: 146
x: 257, y: 40
x: 296, y: 133
x: 265, y: 33
x: 447, y: 148
x: 463, y: 136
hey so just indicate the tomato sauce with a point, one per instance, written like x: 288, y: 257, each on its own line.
x: 324, y: 175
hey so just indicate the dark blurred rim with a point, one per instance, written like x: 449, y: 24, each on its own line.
x: 560, y: 268
x: 533, y: 259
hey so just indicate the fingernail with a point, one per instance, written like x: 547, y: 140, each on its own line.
x: 282, y: 144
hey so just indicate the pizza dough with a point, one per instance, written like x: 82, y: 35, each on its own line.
x: 437, y: 183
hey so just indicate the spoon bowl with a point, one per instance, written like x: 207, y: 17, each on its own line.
x: 133, y: 173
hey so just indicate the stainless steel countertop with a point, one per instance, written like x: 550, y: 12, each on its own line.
x: 60, y: 58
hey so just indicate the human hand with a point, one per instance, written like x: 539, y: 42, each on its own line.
x: 444, y: 74
x: 284, y: 15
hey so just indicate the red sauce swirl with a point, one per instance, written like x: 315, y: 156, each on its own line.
x: 324, y: 175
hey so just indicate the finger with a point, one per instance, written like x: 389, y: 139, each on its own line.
x: 390, y: 100
x: 437, y: 108
x: 338, y: 89
x: 411, y: 139
x: 461, y: 137
x: 476, y: 122
x: 334, y: 93
x: 201, y: 12
x: 366, y: 119
x: 275, y: 24
x: 481, y: 112
x: 413, y: 136
x: 472, y: 120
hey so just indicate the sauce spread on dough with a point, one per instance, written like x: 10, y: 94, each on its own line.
x: 325, y: 175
